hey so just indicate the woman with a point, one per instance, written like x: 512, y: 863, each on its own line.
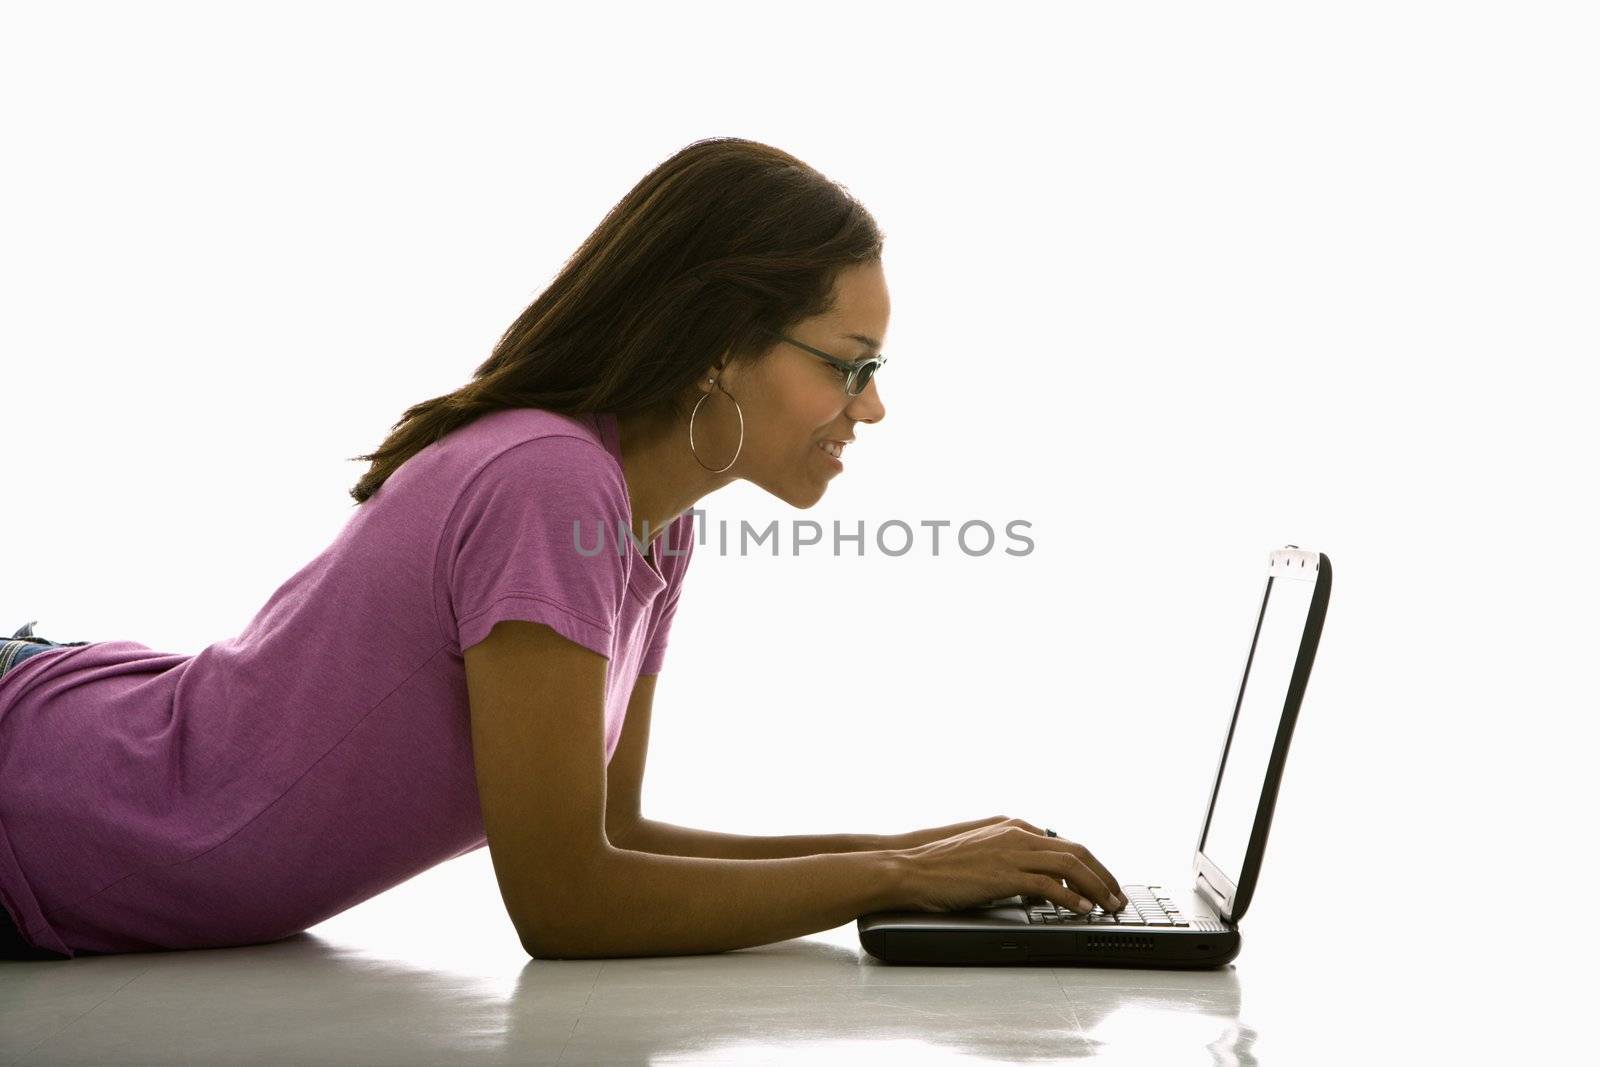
x: 458, y: 667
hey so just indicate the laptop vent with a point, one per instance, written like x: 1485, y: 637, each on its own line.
x: 1209, y: 926
x: 1116, y: 942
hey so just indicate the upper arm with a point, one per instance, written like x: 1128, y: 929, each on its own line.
x: 625, y: 775
x: 538, y: 745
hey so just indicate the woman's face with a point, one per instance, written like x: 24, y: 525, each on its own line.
x: 794, y: 401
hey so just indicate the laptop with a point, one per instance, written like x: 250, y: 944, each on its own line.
x: 1176, y: 924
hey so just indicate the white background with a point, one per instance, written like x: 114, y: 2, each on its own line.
x: 1175, y: 283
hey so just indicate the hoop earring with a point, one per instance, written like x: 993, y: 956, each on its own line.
x: 692, y: 414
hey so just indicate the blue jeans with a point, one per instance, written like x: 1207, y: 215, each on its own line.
x: 22, y: 644
x: 13, y: 650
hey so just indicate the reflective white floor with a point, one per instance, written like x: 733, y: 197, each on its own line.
x: 372, y: 989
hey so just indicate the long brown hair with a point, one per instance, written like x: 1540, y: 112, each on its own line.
x: 726, y: 239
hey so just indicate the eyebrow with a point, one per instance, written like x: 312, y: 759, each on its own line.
x: 868, y: 341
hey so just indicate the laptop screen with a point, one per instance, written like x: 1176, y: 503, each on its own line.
x: 1255, y: 727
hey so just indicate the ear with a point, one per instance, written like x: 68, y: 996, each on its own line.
x: 714, y: 371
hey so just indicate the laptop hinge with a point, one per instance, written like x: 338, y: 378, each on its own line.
x: 1211, y: 896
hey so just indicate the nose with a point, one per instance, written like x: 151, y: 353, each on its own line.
x: 866, y: 406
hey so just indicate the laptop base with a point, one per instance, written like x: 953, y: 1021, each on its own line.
x: 977, y: 938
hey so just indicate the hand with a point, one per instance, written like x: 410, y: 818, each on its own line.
x: 1000, y: 858
x: 939, y: 833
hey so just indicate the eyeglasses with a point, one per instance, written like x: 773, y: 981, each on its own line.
x: 858, y: 373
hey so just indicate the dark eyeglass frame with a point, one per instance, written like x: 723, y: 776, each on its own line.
x: 843, y: 364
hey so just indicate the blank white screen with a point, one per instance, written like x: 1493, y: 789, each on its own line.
x: 1266, y: 687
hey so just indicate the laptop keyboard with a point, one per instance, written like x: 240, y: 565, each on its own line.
x: 1147, y: 906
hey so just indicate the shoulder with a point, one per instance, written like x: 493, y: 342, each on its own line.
x: 511, y: 444
x: 530, y: 443
x: 499, y: 432
x: 524, y: 469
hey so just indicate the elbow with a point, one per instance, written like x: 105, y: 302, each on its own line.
x: 554, y: 949
x: 535, y: 948
x: 567, y: 916
x: 539, y: 951
x: 555, y: 940
x: 541, y: 944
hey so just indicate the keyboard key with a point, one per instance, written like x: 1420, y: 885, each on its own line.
x: 1148, y: 906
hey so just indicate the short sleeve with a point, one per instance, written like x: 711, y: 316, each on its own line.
x: 675, y: 567
x: 511, y: 551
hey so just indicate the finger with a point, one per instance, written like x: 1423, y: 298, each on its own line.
x: 1081, y: 877
x: 1051, y: 891
x: 1044, y: 861
x: 1104, y: 875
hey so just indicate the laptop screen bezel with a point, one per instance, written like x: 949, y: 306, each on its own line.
x: 1287, y: 564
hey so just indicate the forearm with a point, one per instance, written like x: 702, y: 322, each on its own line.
x: 643, y: 904
x: 665, y: 839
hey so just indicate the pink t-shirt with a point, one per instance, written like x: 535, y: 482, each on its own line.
x: 152, y: 800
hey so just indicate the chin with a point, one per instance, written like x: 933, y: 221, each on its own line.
x: 804, y: 503
x: 802, y: 497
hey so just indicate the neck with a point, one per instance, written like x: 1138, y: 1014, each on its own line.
x: 664, y: 479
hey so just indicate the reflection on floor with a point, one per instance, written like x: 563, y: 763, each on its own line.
x: 310, y: 1000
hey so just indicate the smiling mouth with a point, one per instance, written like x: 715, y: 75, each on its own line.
x: 832, y: 448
